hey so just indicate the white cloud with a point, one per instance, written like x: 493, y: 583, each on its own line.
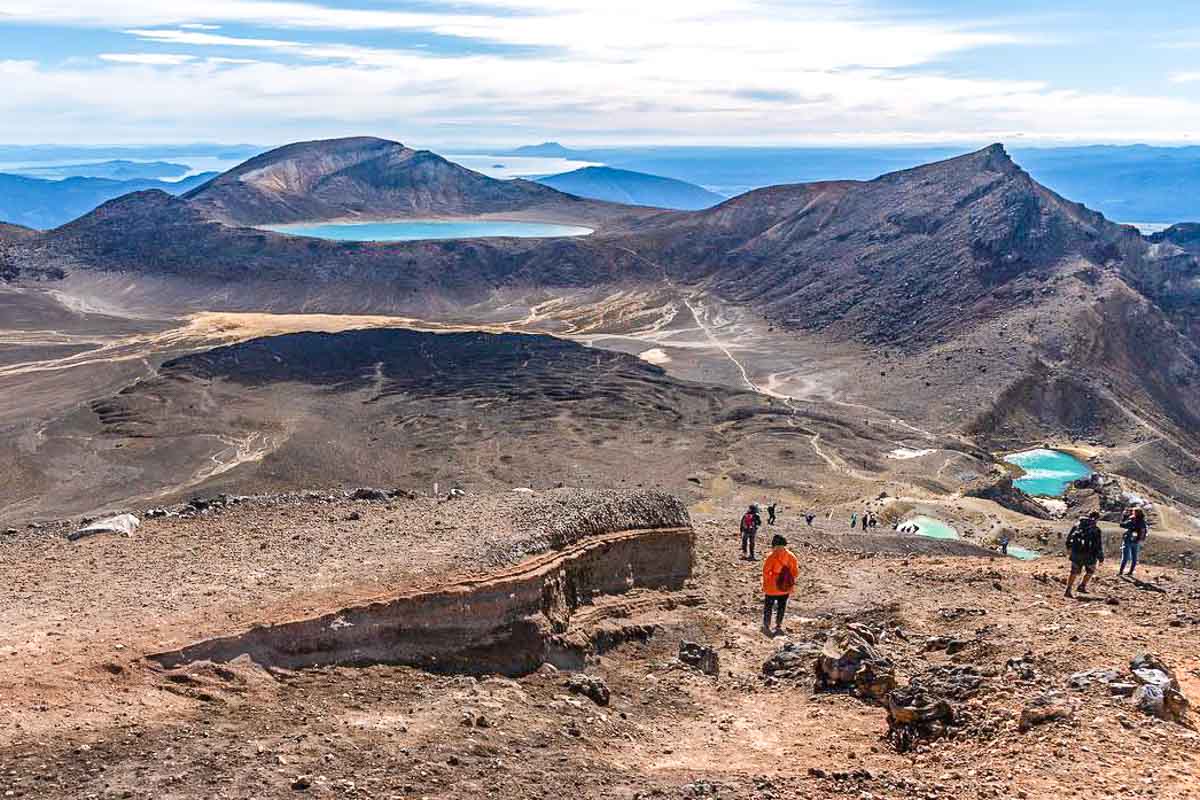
x: 1184, y: 77
x: 710, y: 70
x: 161, y: 59
x: 206, y: 39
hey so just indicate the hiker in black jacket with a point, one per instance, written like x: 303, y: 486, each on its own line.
x: 1086, y: 548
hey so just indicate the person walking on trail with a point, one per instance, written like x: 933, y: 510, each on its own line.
x: 771, y: 514
x: 1086, y: 548
x: 779, y: 580
x: 1004, y: 544
x: 751, y: 522
x: 1134, y: 523
x: 865, y: 518
x: 854, y: 520
x: 809, y: 518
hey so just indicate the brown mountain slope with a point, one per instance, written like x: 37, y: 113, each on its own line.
x: 369, y: 178
x: 152, y: 234
x: 10, y: 231
x: 907, y: 259
x: 972, y: 290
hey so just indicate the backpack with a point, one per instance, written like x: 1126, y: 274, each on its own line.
x: 784, y: 579
x: 748, y: 522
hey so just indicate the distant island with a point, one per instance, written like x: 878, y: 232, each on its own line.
x: 118, y: 170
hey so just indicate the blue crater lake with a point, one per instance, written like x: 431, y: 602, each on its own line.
x: 414, y: 229
x: 1048, y: 473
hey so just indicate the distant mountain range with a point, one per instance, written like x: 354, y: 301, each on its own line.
x: 1135, y: 183
x: 41, y: 203
x: 117, y: 170
x: 632, y: 188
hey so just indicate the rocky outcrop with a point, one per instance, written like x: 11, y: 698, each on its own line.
x: 509, y: 621
x: 123, y: 524
x: 851, y: 660
x: 998, y: 487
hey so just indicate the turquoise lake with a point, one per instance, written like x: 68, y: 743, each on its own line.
x: 1048, y: 473
x: 414, y: 229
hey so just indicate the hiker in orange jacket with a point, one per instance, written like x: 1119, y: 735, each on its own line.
x: 779, y: 579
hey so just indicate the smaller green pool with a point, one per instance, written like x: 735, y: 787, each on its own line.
x: 936, y: 529
x: 1023, y: 553
x: 933, y: 528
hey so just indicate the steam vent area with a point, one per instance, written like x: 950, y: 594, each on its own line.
x: 494, y: 584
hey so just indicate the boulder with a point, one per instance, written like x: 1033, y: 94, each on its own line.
x: 1082, y: 680
x: 1045, y: 708
x: 124, y: 524
x: 914, y: 714
x: 1158, y: 692
x: 851, y: 660
x: 700, y: 656
x: 590, y: 687
x: 366, y: 493
x: 1149, y: 700
x: 792, y: 660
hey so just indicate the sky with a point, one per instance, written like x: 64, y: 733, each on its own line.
x: 509, y: 72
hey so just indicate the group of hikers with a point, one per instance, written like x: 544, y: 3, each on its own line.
x: 1085, y: 547
x: 867, y: 520
x: 752, y: 521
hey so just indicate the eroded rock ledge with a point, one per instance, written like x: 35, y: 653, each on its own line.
x: 588, y: 549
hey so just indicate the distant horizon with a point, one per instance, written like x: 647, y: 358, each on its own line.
x: 486, y: 148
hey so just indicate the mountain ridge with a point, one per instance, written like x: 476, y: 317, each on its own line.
x: 939, y: 275
x: 632, y: 188
x: 45, y: 203
x: 365, y: 177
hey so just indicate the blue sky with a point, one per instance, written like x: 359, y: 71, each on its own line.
x: 617, y: 72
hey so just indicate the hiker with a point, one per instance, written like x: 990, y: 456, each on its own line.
x: 1004, y: 544
x: 771, y: 514
x: 751, y: 522
x: 779, y: 579
x: 809, y: 517
x: 865, y: 516
x: 1086, y: 550
x: 1134, y: 523
x: 874, y: 520
x: 853, y: 520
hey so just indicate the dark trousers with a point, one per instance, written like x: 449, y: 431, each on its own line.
x: 779, y: 601
x: 748, y: 542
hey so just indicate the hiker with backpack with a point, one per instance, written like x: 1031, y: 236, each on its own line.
x: 751, y: 522
x: 1134, y: 523
x: 1086, y: 548
x: 771, y: 514
x: 779, y: 580
x: 854, y: 520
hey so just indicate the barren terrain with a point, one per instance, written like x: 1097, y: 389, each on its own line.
x: 436, y: 519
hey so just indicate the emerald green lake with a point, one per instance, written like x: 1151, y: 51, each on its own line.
x: 1048, y: 473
